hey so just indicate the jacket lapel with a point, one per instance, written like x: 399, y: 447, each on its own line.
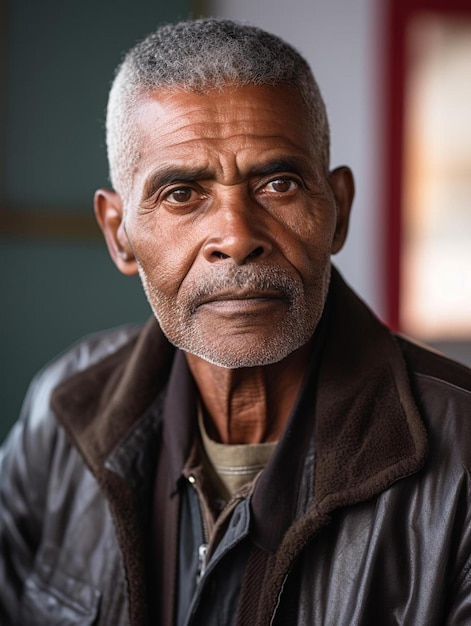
x: 369, y: 432
x: 100, y: 405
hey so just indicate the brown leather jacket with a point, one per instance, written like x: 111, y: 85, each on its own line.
x: 381, y: 534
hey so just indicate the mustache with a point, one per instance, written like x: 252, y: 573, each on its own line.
x: 245, y: 278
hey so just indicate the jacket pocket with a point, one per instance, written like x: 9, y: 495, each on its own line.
x: 55, y: 599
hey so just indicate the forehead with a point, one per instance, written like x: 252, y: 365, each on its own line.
x: 168, y: 123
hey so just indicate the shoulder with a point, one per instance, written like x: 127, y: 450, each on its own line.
x: 82, y: 355
x: 86, y: 352
x: 36, y: 429
x: 438, y: 379
x: 432, y: 365
x: 442, y: 391
x: 40, y: 471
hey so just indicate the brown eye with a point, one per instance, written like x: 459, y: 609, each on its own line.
x: 182, y: 194
x: 281, y: 185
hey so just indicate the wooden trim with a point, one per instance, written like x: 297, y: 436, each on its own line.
x: 40, y: 223
x: 398, y: 16
x: 393, y: 149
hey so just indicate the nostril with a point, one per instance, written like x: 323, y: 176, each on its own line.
x: 220, y: 255
x: 255, y: 253
x: 238, y: 253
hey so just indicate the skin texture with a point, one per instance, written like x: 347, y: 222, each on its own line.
x: 231, y: 222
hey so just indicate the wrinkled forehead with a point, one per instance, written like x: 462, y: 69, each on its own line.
x: 172, y: 115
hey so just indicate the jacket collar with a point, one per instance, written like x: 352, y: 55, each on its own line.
x: 100, y: 405
x: 369, y: 432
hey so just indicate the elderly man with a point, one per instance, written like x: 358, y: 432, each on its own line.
x: 263, y: 451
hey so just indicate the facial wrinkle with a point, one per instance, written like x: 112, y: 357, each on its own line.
x: 247, y: 405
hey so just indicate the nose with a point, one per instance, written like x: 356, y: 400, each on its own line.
x: 238, y: 233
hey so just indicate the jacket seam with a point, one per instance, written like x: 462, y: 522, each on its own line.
x: 441, y: 381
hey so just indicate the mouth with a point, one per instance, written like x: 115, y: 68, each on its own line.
x: 241, y: 301
x: 240, y: 296
x: 250, y: 290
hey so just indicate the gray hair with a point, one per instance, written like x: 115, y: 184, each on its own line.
x: 200, y: 55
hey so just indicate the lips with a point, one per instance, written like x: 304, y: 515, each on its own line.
x: 240, y: 296
x: 243, y: 288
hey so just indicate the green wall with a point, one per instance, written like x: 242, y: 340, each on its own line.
x: 58, y: 60
x: 53, y: 293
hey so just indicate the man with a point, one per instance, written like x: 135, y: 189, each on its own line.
x: 264, y: 451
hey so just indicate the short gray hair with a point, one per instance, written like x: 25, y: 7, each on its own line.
x: 200, y: 55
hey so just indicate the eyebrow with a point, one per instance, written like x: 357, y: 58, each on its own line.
x: 181, y: 174
x: 288, y: 164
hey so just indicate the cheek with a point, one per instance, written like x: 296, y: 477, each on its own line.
x: 162, y: 254
x: 309, y: 252
x: 307, y: 232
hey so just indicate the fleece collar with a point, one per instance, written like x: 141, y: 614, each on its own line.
x: 100, y: 405
x: 369, y: 432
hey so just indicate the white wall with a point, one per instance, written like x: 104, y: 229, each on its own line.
x: 341, y: 41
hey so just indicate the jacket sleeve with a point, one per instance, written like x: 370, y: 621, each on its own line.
x: 24, y: 467
x: 459, y: 602
x: 460, y: 614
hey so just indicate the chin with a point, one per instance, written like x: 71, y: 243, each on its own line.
x: 239, y: 353
x: 241, y: 343
x: 233, y: 362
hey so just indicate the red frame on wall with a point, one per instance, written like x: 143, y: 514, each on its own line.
x: 398, y: 16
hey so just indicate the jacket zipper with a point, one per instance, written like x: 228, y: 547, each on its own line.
x: 203, y: 547
x: 202, y: 552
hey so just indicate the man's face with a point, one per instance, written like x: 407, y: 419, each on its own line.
x: 232, y: 221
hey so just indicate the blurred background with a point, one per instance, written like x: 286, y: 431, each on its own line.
x: 396, y: 77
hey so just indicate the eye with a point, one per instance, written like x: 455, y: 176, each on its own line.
x: 179, y: 195
x: 281, y: 185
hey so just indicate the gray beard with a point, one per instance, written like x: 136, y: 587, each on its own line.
x: 178, y: 317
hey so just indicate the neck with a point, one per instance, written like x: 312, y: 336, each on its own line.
x: 249, y: 405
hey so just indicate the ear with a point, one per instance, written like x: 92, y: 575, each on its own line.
x: 343, y: 187
x: 110, y: 216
